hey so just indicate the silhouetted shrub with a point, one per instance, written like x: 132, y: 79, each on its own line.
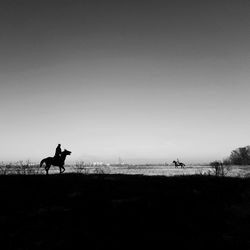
x: 219, y: 168
x: 102, y: 170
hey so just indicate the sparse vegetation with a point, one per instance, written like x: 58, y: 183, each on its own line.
x: 20, y: 167
x: 81, y: 168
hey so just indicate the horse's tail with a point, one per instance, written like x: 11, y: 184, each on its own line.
x: 41, y: 163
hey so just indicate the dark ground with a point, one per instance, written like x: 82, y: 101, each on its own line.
x: 73, y: 211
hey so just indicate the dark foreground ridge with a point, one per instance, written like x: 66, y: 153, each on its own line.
x: 124, y: 212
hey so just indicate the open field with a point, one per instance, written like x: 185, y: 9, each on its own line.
x: 73, y: 211
x: 170, y: 170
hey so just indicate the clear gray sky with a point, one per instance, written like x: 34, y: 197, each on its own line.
x: 144, y: 80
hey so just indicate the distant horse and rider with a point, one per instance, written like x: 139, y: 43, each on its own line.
x: 178, y: 164
x: 58, y: 160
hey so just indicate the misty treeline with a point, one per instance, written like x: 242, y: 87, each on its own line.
x: 239, y: 156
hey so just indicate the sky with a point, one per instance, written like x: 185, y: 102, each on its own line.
x: 146, y: 81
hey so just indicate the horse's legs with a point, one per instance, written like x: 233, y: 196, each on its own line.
x: 47, y: 167
x: 62, y: 169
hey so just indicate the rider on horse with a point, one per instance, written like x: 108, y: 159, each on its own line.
x: 58, y: 160
x: 58, y: 152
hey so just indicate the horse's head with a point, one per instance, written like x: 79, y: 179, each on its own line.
x: 66, y: 152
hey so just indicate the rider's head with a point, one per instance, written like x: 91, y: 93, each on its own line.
x: 59, y: 145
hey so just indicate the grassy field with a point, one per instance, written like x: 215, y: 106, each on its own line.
x: 74, y: 211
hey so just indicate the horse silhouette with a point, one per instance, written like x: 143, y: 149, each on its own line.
x: 55, y: 161
x: 177, y: 164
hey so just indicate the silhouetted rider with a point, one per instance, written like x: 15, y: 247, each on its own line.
x: 58, y: 151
